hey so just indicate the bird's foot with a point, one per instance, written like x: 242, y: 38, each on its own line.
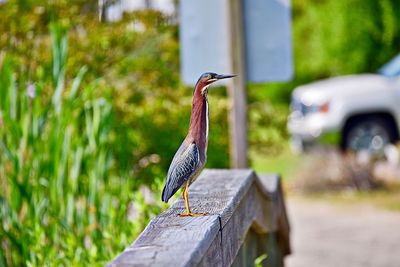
x: 192, y: 214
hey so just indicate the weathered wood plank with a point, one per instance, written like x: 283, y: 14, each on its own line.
x: 272, y: 186
x: 173, y: 240
x: 248, y: 251
x: 217, y: 192
x: 236, y: 201
x: 234, y: 231
x: 213, y: 255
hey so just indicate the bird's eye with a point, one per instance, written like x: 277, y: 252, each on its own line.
x: 209, y: 76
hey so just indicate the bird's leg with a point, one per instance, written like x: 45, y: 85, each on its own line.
x: 185, y: 196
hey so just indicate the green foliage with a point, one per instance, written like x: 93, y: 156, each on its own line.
x: 258, y: 262
x: 267, y: 126
x: 342, y: 37
x: 137, y: 58
x: 90, y: 111
x: 63, y: 200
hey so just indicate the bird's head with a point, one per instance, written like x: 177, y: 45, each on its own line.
x: 208, y: 78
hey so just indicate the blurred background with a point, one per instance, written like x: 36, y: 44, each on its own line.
x: 92, y: 110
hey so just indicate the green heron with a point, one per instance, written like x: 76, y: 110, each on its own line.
x: 191, y: 155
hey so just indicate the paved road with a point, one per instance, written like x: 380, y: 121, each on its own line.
x: 342, y: 236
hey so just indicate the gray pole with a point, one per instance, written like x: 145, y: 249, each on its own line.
x: 237, y: 89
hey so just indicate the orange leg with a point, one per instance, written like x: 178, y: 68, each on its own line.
x: 185, y: 196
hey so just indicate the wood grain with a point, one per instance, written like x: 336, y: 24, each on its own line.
x: 238, y: 202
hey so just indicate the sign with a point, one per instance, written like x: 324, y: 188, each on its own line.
x: 205, y: 45
x: 204, y: 38
x: 268, y: 41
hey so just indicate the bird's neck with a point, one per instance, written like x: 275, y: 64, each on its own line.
x: 198, y: 128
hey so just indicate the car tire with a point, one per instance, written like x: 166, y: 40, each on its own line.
x: 371, y: 133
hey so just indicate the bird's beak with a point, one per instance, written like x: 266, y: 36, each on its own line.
x: 221, y: 76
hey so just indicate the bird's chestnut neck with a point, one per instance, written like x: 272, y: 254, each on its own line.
x: 201, y: 88
x: 198, y: 129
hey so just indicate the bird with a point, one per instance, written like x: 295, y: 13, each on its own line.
x: 191, y: 156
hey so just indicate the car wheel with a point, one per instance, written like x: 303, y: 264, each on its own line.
x: 371, y: 134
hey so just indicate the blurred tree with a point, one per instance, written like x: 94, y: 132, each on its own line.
x: 137, y: 57
x: 341, y: 37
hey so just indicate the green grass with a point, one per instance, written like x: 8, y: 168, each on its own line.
x: 286, y: 163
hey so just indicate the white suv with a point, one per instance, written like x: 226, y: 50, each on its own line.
x: 356, y: 112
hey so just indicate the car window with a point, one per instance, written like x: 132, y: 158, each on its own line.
x: 392, y: 68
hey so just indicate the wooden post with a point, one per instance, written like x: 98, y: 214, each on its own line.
x: 237, y: 89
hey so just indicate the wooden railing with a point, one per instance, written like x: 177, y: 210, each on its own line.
x: 247, y: 219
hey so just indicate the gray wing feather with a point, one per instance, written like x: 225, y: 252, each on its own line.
x: 183, y: 166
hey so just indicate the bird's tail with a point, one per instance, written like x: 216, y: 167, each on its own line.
x: 164, y: 195
x: 168, y: 192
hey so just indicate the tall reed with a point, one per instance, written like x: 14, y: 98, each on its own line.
x: 62, y: 201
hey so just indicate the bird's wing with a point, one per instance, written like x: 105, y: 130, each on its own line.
x: 184, y: 164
